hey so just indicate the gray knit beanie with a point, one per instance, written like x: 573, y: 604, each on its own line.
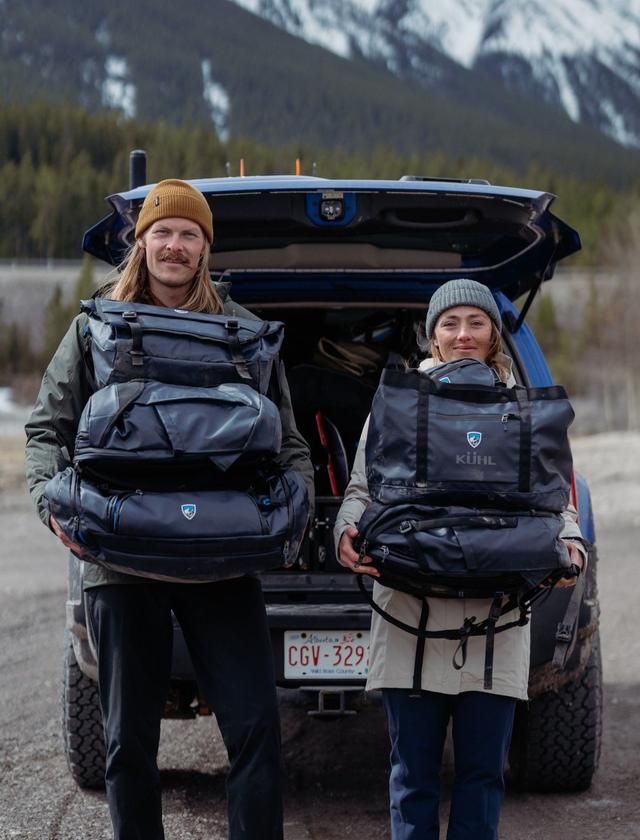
x: 461, y: 292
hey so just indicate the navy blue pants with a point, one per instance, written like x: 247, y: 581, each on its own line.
x: 224, y: 626
x: 482, y: 725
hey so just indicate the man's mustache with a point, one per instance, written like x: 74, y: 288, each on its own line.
x: 178, y: 258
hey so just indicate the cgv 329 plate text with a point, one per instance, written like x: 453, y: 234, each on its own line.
x: 322, y: 654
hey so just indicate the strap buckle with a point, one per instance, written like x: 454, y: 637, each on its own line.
x: 495, y: 610
x: 564, y: 632
x: 405, y: 526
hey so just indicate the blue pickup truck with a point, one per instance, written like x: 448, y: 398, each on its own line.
x: 349, y: 267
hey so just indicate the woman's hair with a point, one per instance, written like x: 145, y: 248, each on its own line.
x: 495, y: 349
x: 132, y: 283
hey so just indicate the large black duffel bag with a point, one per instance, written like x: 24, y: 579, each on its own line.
x: 154, y: 435
x: 173, y: 473
x: 448, y: 442
x: 184, y: 535
x: 140, y: 341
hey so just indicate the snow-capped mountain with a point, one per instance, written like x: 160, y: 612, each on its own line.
x: 581, y: 55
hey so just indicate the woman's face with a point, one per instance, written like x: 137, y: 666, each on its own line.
x: 463, y: 332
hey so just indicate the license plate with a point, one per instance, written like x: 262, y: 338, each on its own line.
x: 326, y: 654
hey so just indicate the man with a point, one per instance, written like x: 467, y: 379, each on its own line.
x: 224, y: 623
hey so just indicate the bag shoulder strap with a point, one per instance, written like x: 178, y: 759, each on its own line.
x: 567, y: 629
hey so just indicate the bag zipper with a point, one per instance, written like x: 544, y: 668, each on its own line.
x: 199, y: 336
x: 504, y: 418
x: 509, y: 415
x: 116, y: 508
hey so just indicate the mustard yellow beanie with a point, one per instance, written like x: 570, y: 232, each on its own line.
x: 175, y: 198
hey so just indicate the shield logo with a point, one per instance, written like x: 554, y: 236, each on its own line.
x: 188, y: 511
x: 474, y: 439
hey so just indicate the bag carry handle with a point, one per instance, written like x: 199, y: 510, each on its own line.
x: 422, y: 433
x: 524, y: 467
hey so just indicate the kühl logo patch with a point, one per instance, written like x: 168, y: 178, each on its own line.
x: 188, y: 511
x: 474, y: 439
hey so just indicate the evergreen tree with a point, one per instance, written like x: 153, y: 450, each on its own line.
x: 84, y: 287
x: 556, y: 342
x: 54, y: 325
x: 58, y: 162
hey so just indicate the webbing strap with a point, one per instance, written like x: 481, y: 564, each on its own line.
x: 567, y: 629
x: 470, y: 628
x: 494, y: 615
x: 524, y: 469
x: 235, y: 348
x: 422, y: 431
x: 274, y: 389
x: 461, y: 650
x: 287, y: 494
x: 420, y: 641
x: 136, y: 353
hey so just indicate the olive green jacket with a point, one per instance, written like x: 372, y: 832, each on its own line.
x: 67, y: 385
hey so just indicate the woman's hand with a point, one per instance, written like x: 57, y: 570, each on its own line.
x: 64, y: 539
x: 577, y: 558
x: 349, y: 557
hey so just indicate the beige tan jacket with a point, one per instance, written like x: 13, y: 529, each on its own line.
x: 392, y: 651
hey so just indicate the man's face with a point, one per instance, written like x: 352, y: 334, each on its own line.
x: 173, y: 249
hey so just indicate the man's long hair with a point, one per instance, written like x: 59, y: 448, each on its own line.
x: 132, y: 283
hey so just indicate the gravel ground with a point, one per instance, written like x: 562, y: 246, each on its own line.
x: 335, y: 771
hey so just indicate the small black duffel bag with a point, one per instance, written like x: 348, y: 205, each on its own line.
x: 507, y: 557
x: 154, y: 435
x: 451, y: 442
x: 185, y: 535
x: 458, y: 552
x: 140, y: 341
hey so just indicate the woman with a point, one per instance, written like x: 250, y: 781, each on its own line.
x: 463, y: 321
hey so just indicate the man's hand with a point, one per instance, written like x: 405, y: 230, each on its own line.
x: 349, y: 557
x: 576, y: 557
x: 64, y: 539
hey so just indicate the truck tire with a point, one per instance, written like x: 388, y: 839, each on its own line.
x: 82, y: 724
x: 557, y: 736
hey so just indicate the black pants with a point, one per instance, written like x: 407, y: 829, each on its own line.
x: 224, y: 626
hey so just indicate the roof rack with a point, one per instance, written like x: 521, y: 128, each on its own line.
x: 481, y: 181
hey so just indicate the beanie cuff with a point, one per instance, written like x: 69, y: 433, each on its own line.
x: 461, y: 292
x: 175, y: 199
